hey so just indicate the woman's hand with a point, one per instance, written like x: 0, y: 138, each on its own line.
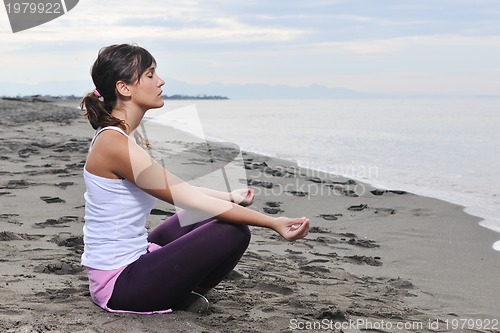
x: 292, y: 229
x: 243, y: 196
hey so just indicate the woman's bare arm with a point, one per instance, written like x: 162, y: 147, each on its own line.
x: 126, y: 159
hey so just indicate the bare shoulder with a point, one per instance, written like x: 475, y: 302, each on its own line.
x: 110, y: 150
x: 111, y: 144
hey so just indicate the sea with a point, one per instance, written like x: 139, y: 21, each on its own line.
x: 441, y: 148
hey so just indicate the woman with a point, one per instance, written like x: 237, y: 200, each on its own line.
x: 129, y: 270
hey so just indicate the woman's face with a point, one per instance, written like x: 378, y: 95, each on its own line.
x: 147, y: 93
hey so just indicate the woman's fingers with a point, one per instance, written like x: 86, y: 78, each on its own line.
x: 243, y: 197
x: 250, y: 197
x: 299, y: 228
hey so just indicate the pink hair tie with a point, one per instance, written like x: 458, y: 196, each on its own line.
x: 96, y: 92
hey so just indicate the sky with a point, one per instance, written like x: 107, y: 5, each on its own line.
x: 449, y: 47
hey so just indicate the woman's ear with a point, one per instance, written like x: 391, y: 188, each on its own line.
x: 123, y: 89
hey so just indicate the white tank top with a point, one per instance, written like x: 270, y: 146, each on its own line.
x: 116, y: 212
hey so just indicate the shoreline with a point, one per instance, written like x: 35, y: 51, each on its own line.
x: 383, y: 256
x: 483, y: 218
x: 488, y: 221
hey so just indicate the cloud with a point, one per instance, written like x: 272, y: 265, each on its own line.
x: 398, y: 44
x: 265, y: 41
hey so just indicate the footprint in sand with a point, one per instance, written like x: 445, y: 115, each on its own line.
x: 317, y: 230
x: 389, y: 211
x: 68, y: 240
x: 298, y: 193
x: 358, y: 208
x: 401, y: 284
x: 255, y: 165
x: 349, y: 193
x: 381, y: 192
x: 273, y: 207
x: 63, y: 185
x: 17, y: 184
x: 360, y: 260
x: 314, y: 269
x: 315, y: 180
x: 57, y: 223
x: 274, y: 288
x: 10, y: 236
x: 270, y: 210
x: 251, y: 182
x: 52, y: 199
x: 361, y: 207
x: 329, y: 217
x: 59, y: 268
x: 26, y: 152
x: 368, y: 243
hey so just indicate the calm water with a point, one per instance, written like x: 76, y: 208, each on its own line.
x: 446, y: 149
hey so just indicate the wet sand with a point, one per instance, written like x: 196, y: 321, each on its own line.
x: 374, y: 258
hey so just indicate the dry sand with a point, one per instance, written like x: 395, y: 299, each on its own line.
x: 373, y: 257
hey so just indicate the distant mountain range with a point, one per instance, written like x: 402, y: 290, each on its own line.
x: 231, y: 91
x: 175, y: 87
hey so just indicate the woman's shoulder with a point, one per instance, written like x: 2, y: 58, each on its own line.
x: 110, y: 129
x: 109, y: 135
x: 109, y: 150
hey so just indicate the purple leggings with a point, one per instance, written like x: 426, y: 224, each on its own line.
x: 196, y: 256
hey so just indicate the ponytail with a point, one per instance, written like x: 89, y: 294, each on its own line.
x: 98, y: 114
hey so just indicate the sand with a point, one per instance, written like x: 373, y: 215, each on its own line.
x: 375, y: 259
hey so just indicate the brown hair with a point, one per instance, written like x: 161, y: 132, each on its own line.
x: 114, y: 63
